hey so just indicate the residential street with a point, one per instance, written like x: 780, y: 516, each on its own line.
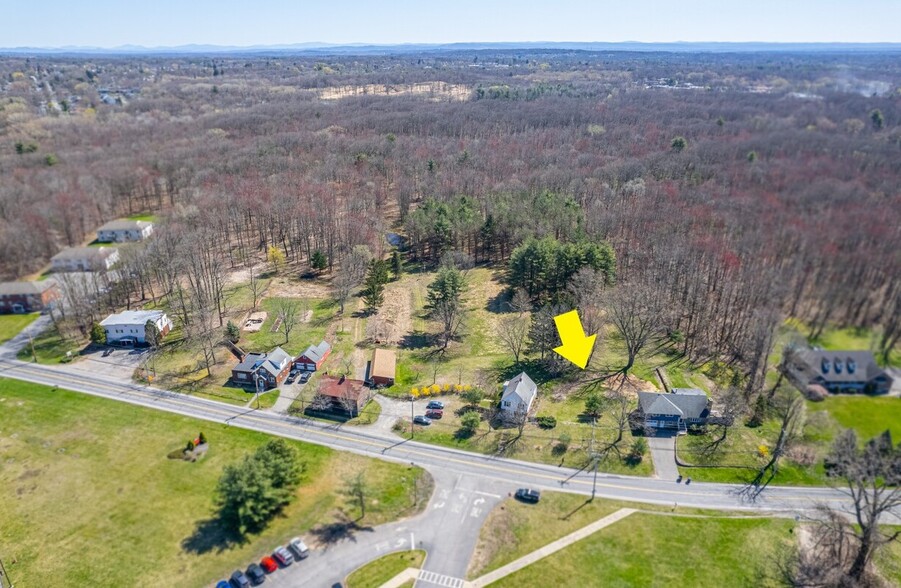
x: 468, y: 485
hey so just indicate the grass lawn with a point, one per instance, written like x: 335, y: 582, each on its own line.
x: 143, y: 519
x: 867, y: 415
x: 51, y: 347
x: 377, y: 572
x: 12, y: 324
x: 368, y: 415
x: 657, y: 550
x: 536, y: 444
x: 143, y: 217
x: 303, y: 334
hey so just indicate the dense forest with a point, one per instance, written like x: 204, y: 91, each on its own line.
x: 735, y: 190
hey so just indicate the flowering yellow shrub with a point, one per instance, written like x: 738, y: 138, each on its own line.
x: 415, y: 391
x: 436, y: 389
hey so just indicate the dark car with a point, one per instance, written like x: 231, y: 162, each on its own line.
x: 256, y: 574
x: 434, y: 414
x: 268, y: 564
x: 528, y: 495
x: 290, y: 379
x: 304, y: 377
x: 239, y: 580
x: 223, y: 584
x: 434, y: 404
x: 421, y: 420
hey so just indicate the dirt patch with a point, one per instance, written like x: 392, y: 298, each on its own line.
x: 307, y: 316
x: 394, y: 318
x: 281, y: 287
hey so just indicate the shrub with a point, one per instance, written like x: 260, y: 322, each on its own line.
x: 547, y: 422
x: 190, y: 446
x: 414, y: 392
x: 202, y: 438
x: 470, y: 421
x: 436, y: 389
x: 232, y: 332
x: 447, y: 388
x: 637, y: 450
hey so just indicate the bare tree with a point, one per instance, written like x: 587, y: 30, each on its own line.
x: 792, y: 423
x: 288, y: 311
x: 513, y: 331
x: 357, y: 489
x: 203, y: 333
x: 257, y: 286
x: 872, y: 480
x: 636, y: 310
x: 520, y: 303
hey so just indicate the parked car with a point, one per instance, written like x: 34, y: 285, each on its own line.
x: 239, y: 580
x: 434, y: 414
x: 256, y: 574
x: 223, y: 584
x: 268, y: 564
x: 299, y: 548
x: 435, y: 405
x: 528, y: 495
x: 304, y: 377
x: 422, y: 420
x: 283, y: 556
x: 289, y: 379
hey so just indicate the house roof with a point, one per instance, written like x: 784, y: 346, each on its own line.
x: 687, y: 403
x: 133, y: 317
x: 384, y: 363
x: 89, y: 253
x: 837, y: 366
x: 23, y: 288
x: 522, y: 387
x: 273, y: 362
x: 317, y: 352
x: 341, y: 388
x: 276, y: 361
x: 125, y: 225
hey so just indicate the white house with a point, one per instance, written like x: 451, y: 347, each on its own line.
x: 518, y: 396
x: 124, y: 231
x: 127, y: 328
x: 84, y: 259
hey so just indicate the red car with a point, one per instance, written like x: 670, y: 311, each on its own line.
x: 268, y: 564
x: 434, y: 414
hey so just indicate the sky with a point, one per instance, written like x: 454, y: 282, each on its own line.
x: 112, y: 23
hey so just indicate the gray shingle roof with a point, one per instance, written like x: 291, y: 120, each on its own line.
x: 125, y: 225
x: 25, y: 288
x: 521, y: 386
x: 833, y: 366
x: 89, y: 253
x: 687, y: 403
x: 317, y: 352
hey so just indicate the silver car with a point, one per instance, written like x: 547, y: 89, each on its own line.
x: 299, y: 548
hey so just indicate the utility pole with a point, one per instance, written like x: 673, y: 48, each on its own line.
x: 411, y: 417
x: 259, y: 385
x: 5, y: 581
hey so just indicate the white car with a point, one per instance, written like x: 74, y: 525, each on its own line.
x: 299, y: 548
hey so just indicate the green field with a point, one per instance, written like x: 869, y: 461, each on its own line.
x: 867, y: 415
x: 377, y: 572
x: 88, y: 496
x: 12, y: 324
x: 658, y: 550
x: 51, y: 347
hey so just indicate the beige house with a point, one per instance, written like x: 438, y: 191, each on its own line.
x: 84, y: 259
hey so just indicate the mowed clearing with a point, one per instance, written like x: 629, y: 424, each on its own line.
x: 89, y: 498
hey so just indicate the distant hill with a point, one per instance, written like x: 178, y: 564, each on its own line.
x: 364, y: 49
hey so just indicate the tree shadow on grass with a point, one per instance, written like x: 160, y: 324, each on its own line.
x: 418, y: 340
x: 212, y: 535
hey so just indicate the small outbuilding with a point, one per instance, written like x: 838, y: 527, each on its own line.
x: 382, y: 367
x: 313, y: 358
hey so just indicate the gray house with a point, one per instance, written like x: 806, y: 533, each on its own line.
x: 518, y: 396
x: 124, y: 231
x: 674, y: 410
x: 851, y: 372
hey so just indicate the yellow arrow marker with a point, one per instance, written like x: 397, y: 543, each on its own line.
x: 576, y: 346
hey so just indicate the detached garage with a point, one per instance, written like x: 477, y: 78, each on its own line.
x: 382, y: 367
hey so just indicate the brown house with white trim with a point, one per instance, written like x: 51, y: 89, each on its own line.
x: 21, y: 297
x: 344, y: 395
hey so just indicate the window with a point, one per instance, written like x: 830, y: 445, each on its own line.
x: 825, y: 365
x: 838, y: 365
x: 506, y: 404
x: 852, y: 365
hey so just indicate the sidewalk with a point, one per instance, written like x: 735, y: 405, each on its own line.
x: 550, y: 548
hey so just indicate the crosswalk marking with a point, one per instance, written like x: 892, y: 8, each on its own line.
x: 440, y: 579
